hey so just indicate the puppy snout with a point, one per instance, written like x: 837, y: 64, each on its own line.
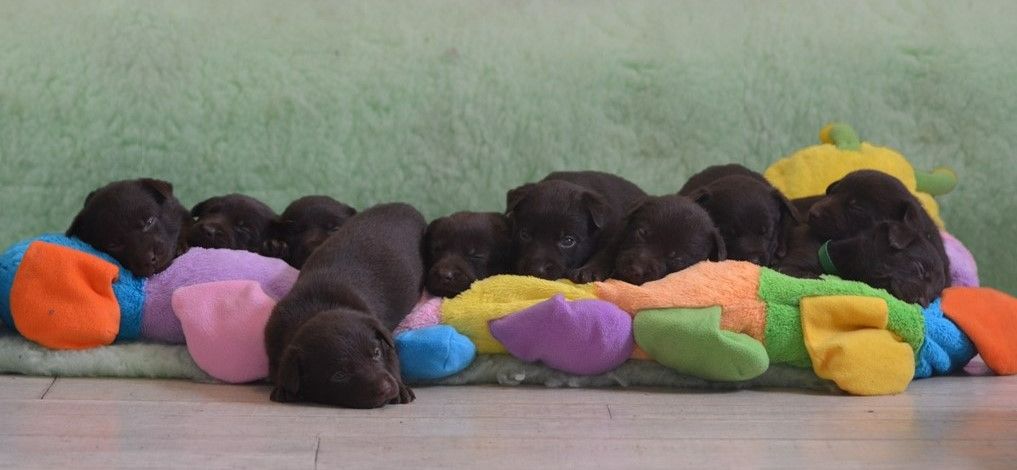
x: 449, y: 275
x: 210, y: 230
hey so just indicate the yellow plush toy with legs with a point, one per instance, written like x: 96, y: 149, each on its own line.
x: 809, y: 171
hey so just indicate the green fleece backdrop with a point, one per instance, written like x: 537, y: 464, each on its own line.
x: 448, y: 104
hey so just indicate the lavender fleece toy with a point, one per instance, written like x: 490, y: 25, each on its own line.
x: 63, y: 294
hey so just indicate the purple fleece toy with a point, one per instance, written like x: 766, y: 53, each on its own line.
x: 583, y: 337
x: 201, y: 265
x: 963, y: 270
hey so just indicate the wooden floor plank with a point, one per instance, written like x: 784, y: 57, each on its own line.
x: 19, y: 387
x: 132, y: 451
x: 515, y: 453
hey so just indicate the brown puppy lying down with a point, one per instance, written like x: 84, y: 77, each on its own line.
x: 890, y: 255
x: 666, y: 234
x: 233, y: 221
x: 305, y: 224
x: 329, y: 340
x: 568, y: 224
x: 752, y: 216
x: 137, y: 222
x: 465, y: 247
x: 864, y: 198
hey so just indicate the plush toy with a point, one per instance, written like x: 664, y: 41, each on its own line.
x: 726, y: 321
x: 63, y: 294
x: 808, y: 171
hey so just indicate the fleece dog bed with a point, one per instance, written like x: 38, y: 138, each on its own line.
x: 715, y: 324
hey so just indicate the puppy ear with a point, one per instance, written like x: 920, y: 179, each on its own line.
x: 634, y: 208
x: 161, y: 190
x: 380, y: 332
x: 910, y: 214
x: 199, y: 208
x: 517, y: 195
x: 719, y: 249
x: 832, y: 186
x: 700, y: 196
x: 900, y: 235
x: 599, y: 210
x: 287, y: 386
x: 88, y: 198
x: 789, y: 218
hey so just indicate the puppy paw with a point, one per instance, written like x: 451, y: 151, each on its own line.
x: 589, y: 273
x: 406, y: 395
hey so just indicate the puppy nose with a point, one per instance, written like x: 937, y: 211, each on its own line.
x: 448, y: 275
x: 385, y: 388
x: 546, y: 269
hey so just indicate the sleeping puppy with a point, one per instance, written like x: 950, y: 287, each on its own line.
x: 890, y: 255
x: 329, y: 340
x: 138, y: 222
x: 568, y: 224
x: 465, y: 247
x: 233, y: 221
x: 864, y: 198
x: 753, y: 216
x: 305, y: 224
x: 663, y: 235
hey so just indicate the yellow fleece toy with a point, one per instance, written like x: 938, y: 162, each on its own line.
x: 809, y: 171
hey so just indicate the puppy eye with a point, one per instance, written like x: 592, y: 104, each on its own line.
x: 339, y: 377
x: 854, y: 205
x: 241, y: 223
x: 567, y: 241
x: 331, y: 228
x: 148, y: 223
x: 641, y: 232
x: 524, y: 235
x: 477, y: 255
x: 376, y: 353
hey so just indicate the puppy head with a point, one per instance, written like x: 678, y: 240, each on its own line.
x: 752, y: 216
x: 341, y: 358
x: 555, y: 226
x: 664, y: 235
x: 858, y: 201
x: 233, y: 221
x: 894, y: 256
x: 306, y: 223
x: 464, y: 247
x: 138, y: 222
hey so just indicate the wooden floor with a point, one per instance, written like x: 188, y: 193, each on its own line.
x: 954, y: 422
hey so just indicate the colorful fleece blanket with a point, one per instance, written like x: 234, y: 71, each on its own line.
x: 720, y: 321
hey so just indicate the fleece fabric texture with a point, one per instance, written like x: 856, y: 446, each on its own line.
x: 446, y: 104
x: 127, y: 288
x: 203, y: 265
x: 18, y: 355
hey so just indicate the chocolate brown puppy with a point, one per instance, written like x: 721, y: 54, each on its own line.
x: 138, y: 222
x: 891, y: 255
x: 864, y: 198
x: 305, y: 224
x: 568, y: 224
x: 233, y: 221
x: 666, y: 234
x: 465, y: 247
x: 753, y: 216
x: 329, y: 340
